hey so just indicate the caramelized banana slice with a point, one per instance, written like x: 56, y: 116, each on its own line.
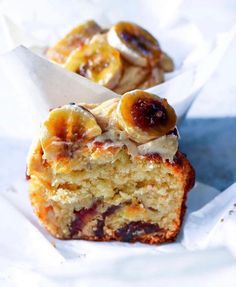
x: 134, y: 43
x: 131, y: 77
x: 104, y: 113
x: 155, y: 77
x: 64, y: 127
x: 98, y: 62
x: 144, y: 116
x: 166, y: 63
x: 102, y: 37
x: 75, y: 39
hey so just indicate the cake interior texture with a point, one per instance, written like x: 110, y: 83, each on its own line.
x: 103, y: 193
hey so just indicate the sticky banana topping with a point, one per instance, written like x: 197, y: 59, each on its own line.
x: 65, y: 126
x: 134, y: 43
x: 144, y: 116
x: 122, y: 58
x: 75, y: 39
x: 98, y: 62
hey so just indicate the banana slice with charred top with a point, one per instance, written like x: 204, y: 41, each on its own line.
x: 98, y: 62
x: 144, y: 116
x: 135, y: 44
x: 75, y: 39
x: 64, y: 127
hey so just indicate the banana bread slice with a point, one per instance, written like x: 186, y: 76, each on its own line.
x: 110, y: 172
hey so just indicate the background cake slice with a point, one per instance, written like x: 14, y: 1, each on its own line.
x: 113, y: 172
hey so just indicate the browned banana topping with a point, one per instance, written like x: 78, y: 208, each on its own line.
x: 144, y: 43
x: 75, y: 39
x: 122, y: 58
x: 64, y: 127
x: 145, y: 116
x: 97, y: 61
x: 135, y: 44
x: 95, y: 64
x: 148, y: 113
x: 138, y: 42
x: 137, y: 117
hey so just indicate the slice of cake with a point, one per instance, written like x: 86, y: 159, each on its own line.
x: 110, y: 171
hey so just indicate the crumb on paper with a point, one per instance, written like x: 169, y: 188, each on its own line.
x: 54, y: 243
x: 11, y: 189
x: 231, y: 211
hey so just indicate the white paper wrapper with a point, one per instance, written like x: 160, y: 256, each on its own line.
x: 200, y: 233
